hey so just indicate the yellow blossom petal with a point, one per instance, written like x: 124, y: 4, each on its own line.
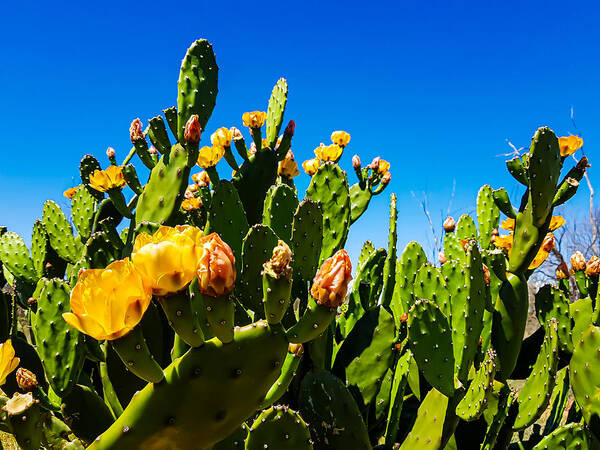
x: 210, y: 156
x: 569, y: 144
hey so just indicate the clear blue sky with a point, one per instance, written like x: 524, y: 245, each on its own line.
x: 434, y: 87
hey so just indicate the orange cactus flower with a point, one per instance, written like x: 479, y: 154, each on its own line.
x: 556, y: 222
x: 105, y: 180
x: 340, y: 138
x: 508, y: 224
x: 569, y: 144
x: 288, y: 167
x: 216, y: 266
x: 543, y: 252
x: 331, y: 152
x: 70, y: 193
x: 331, y: 282
x: 222, y: 137
x: 254, y: 119
x: 592, y: 269
x: 191, y: 204
x: 562, y: 271
x: 311, y: 166
x: 108, y: 303
x: 210, y: 156
x: 505, y: 242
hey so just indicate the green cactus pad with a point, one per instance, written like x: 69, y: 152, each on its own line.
x: 275, y: 111
x: 502, y: 201
x: 226, y: 217
x: 427, y: 430
x: 582, y: 313
x: 235, y: 440
x: 197, y: 85
x: 164, y: 192
x: 253, y: 180
x: 518, y: 170
x: 215, y: 385
x: 430, y: 284
x: 329, y: 187
x: 558, y: 399
x: 60, y: 233
x: 368, y: 282
x: 182, y: 318
x: 61, y: 348
x: 365, y: 252
x: 570, y: 437
x: 367, y: 352
x: 585, y: 376
x: 86, y: 412
x: 256, y: 250
x: 535, y: 395
x: 276, y: 294
x: 465, y: 228
x: 488, y: 215
x: 332, y: 415
x: 397, y: 398
x: 550, y: 302
x: 219, y: 314
x: 430, y: 340
x: 360, y: 197
x: 26, y: 427
x: 157, y: 132
x: 544, y: 169
x: 100, y: 250
x: 83, y: 207
x: 453, y: 248
x: 278, y: 213
x: 412, y: 258
x: 389, y: 268
x: 87, y: 166
x: 15, y: 257
x: 307, y: 236
x: 279, y: 427
x: 280, y: 387
x: 135, y: 354
x: 131, y: 178
x: 171, y: 116
x: 475, y: 400
x: 314, y: 321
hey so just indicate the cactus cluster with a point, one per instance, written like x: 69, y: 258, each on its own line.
x: 219, y: 314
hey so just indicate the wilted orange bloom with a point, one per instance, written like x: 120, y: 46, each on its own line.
x: 569, y: 144
x: 562, y: 271
x: 331, y: 282
x: 556, y: 222
x: 201, y: 178
x: 543, y: 252
x: 191, y: 204
x: 288, y: 167
x: 593, y: 267
x: 577, y: 261
x: 135, y: 131
x: 279, y: 264
x: 216, y: 266
x: 193, y: 130
x: 108, y: 303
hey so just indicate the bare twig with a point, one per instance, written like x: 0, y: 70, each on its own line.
x: 425, y: 208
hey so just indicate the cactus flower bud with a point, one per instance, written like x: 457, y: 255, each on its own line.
x: 449, y: 224
x: 69, y: 193
x: 18, y: 404
x: 110, y: 152
x: 387, y: 177
x: 222, y: 137
x: 288, y: 167
x: 577, y: 261
x: 296, y: 349
x: 216, y: 266
x: 105, y: 180
x: 495, y: 232
x: 569, y: 144
x: 442, y: 257
x: 562, y: 271
x: 201, y: 178
x: 556, y: 222
x: 311, y: 166
x: 375, y: 163
x: 193, y: 130
x: 279, y: 264
x: 26, y: 380
x: 592, y: 268
x: 583, y: 163
x: 210, y: 156
x: 254, y: 119
x: 236, y: 134
x: 135, y: 131
x: 404, y: 318
x: 486, y: 275
x: 152, y: 150
x: 8, y: 360
x: 291, y: 128
x: 192, y: 203
x: 166, y: 260
x: 331, y: 282
x: 340, y: 138
x: 356, y: 162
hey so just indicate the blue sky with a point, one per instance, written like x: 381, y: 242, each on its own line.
x: 436, y: 88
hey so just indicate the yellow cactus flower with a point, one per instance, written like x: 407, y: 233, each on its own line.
x: 210, y: 156
x: 222, y: 137
x: 8, y: 360
x: 383, y: 167
x: 201, y: 178
x: 331, y: 152
x: 192, y: 188
x: 556, y: 222
x: 508, y: 224
x: 216, y: 266
x: 105, y: 180
x: 166, y: 260
x: 69, y: 193
x: 562, y: 271
x: 340, y: 138
x: 569, y: 144
x: 505, y: 242
x: 288, y: 167
x: 254, y: 119
x: 330, y: 285
x: 311, y: 166
x: 108, y: 303
x: 191, y: 204
x: 543, y: 252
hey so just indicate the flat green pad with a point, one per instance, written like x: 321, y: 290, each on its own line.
x: 275, y: 111
x: 413, y: 257
x: 307, y: 236
x: 465, y: 228
x: 431, y: 285
x: 83, y: 206
x: 61, y: 348
x: 570, y: 437
x: 550, y: 302
x: 430, y: 340
x: 488, y: 215
x: 332, y: 415
x: 15, y: 257
x: 582, y: 313
x: 367, y: 352
x: 278, y: 211
x: 60, y: 233
x: 279, y: 427
x: 368, y: 282
x: 256, y: 250
x: 360, y: 197
x: 329, y: 187
x: 544, y: 169
x: 535, y: 395
x: 453, y: 248
x: 88, y: 165
x: 475, y: 400
x: 427, y: 431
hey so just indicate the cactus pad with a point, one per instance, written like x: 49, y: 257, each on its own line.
x: 275, y: 111
x: 60, y: 232
x: 279, y: 427
x: 279, y: 208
